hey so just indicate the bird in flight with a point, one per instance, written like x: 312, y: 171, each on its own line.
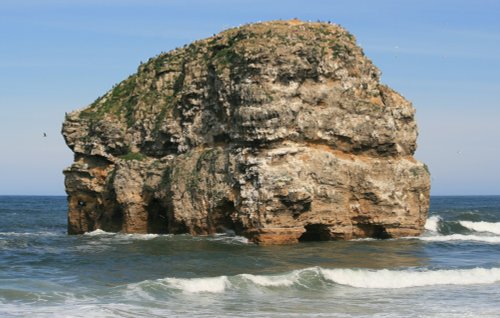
x: 44, y: 134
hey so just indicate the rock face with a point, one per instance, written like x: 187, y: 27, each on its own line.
x: 278, y: 131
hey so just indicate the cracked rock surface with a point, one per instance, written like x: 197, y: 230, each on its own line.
x: 278, y: 131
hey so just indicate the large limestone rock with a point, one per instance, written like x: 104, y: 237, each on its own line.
x: 278, y: 131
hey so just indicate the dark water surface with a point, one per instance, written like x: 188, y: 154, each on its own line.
x: 453, y: 270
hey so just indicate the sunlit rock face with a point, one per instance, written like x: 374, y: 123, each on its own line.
x: 277, y: 131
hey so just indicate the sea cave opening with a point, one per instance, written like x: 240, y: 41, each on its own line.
x: 157, y: 217
x: 375, y: 231
x: 315, y: 232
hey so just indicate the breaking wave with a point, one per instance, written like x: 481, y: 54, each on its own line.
x: 491, y: 227
x: 461, y: 237
x: 198, y: 285
x: 439, y: 230
x: 385, y: 278
x: 316, y: 276
x: 20, y: 234
x: 224, y: 238
x: 100, y: 232
x: 432, y: 223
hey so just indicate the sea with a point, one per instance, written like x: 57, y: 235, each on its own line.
x: 452, y: 270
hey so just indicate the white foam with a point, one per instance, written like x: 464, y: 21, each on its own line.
x: 363, y: 278
x: 142, y: 236
x: 272, y: 281
x: 97, y: 233
x: 359, y: 278
x: 461, y: 237
x: 139, y: 290
x: 240, y: 239
x: 135, y: 236
x: 432, y: 223
x: 28, y: 233
x: 491, y: 227
x: 231, y: 238
x: 364, y: 239
x: 199, y: 285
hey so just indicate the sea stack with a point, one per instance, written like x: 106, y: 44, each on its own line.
x: 278, y: 131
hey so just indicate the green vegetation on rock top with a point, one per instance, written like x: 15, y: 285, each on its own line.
x: 159, y: 82
x: 133, y: 156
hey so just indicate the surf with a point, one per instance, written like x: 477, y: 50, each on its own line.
x: 313, y: 277
x: 439, y: 230
x: 482, y: 226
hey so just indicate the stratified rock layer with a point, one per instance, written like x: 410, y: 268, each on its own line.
x: 278, y: 131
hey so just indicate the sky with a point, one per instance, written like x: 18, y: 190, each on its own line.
x: 57, y: 56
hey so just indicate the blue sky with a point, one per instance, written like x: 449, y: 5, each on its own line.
x: 56, y: 56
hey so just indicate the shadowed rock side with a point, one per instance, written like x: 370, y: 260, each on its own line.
x: 278, y: 131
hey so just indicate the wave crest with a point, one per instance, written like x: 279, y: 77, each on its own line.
x: 440, y: 230
x: 272, y: 281
x: 98, y: 232
x: 384, y: 278
x: 199, y: 285
x: 461, y: 237
x: 101, y: 233
x: 432, y: 223
x: 313, y: 277
x: 491, y: 227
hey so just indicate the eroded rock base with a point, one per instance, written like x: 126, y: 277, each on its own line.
x: 286, y: 194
